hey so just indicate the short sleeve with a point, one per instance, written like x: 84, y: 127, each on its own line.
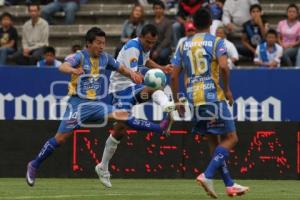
x: 131, y: 57
x: 220, y: 48
x: 74, y: 59
x: 112, y: 63
x: 177, y: 58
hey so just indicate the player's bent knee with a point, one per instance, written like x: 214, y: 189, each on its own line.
x: 62, y: 138
x: 119, y: 130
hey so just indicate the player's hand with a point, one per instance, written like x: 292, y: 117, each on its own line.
x: 167, y: 69
x: 180, y: 109
x: 229, y: 97
x: 136, y: 77
x: 77, y: 71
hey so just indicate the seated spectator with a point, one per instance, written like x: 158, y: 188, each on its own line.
x: 8, y: 37
x: 236, y: 13
x: 132, y: 27
x: 216, y: 10
x: 269, y: 53
x: 289, y: 36
x: 70, y: 7
x: 186, y: 8
x: 35, y: 37
x: 232, y: 52
x: 75, y: 48
x: 162, y: 51
x: 49, y: 59
x: 254, y: 32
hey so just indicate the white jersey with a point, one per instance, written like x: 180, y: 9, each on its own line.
x: 131, y: 56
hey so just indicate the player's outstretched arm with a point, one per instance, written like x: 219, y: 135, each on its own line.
x: 174, y: 86
x: 152, y: 64
x: 68, y: 69
x: 225, y: 78
x: 134, y: 76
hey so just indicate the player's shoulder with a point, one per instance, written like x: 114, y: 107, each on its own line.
x: 133, y: 43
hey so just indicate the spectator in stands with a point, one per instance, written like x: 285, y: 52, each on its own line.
x: 289, y: 36
x: 233, y: 55
x: 75, y: 48
x: 49, y: 59
x: 254, y: 32
x: 216, y: 10
x: 269, y: 53
x: 35, y: 37
x: 70, y: 7
x: 132, y: 27
x: 236, y: 13
x: 162, y: 51
x: 186, y: 8
x: 8, y: 37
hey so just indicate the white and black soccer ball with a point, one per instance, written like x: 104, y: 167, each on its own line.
x: 155, y: 78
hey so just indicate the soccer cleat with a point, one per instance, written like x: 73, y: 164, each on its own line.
x: 236, y: 190
x: 30, y: 174
x: 166, y: 125
x: 169, y: 107
x: 207, y: 185
x: 104, y: 176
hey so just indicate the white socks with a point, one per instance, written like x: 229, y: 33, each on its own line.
x: 160, y: 98
x: 109, y: 150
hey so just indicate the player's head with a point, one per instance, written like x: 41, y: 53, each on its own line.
x: 221, y: 32
x: 202, y: 19
x: 158, y: 8
x: 271, y: 37
x: 49, y: 55
x: 255, y: 11
x: 34, y: 11
x: 95, y: 41
x: 292, y: 12
x: 148, y: 37
x: 6, y: 19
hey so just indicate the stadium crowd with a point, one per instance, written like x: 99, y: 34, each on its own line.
x: 260, y: 43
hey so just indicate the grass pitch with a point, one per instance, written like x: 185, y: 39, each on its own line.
x: 140, y: 189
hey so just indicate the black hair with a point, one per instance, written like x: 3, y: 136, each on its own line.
x: 255, y: 6
x: 202, y: 19
x: 149, y: 28
x: 92, y: 33
x: 272, y: 31
x: 33, y: 4
x: 75, y: 48
x: 222, y: 1
x: 49, y: 49
x: 6, y: 14
x: 293, y: 5
x: 159, y: 3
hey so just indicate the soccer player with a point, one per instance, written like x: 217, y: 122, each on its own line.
x: 202, y: 57
x: 85, y: 102
x: 134, y: 54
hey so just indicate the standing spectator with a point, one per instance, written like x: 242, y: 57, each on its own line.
x: 8, y: 37
x: 162, y: 50
x: 289, y: 36
x: 49, y: 59
x: 132, y: 27
x: 236, y: 13
x: 70, y: 7
x: 254, y: 32
x: 35, y: 37
x: 216, y: 10
x: 232, y: 52
x: 186, y: 8
x: 269, y: 53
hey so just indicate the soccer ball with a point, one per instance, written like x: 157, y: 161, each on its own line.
x: 155, y: 78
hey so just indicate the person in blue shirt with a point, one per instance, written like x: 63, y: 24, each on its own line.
x: 49, y: 59
x: 86, y: 89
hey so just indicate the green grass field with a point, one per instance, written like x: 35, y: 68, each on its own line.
x: 140, y: 189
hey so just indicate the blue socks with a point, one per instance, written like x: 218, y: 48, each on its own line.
x: 228, y: 181
x: 218, y: 159
x: 45, y: 152
x: 143, y: 125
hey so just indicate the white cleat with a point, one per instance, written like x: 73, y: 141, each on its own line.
x: 207, y: 185
x: 236, y: 190
x: 169, y: 107
x: 104, y: 176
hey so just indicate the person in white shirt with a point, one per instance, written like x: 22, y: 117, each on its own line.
x: 232, y: 52
x: 269, y: 53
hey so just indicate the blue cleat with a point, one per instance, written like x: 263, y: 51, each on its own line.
x: 30, y: 174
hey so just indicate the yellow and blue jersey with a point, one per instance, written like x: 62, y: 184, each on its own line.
x: 198, y: 56
x: 90, y: 85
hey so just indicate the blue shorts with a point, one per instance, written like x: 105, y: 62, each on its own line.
x: 80, y: 111
x: 214, y: 118
x: 125, y: 99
